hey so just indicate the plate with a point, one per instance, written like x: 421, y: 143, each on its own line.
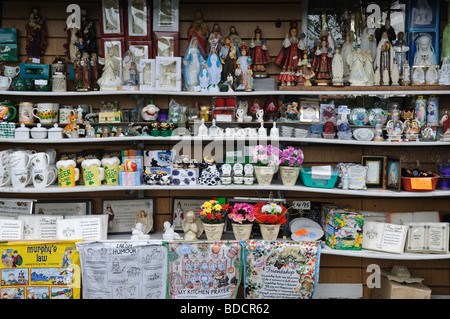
x: 373, y: 113
x: 359, y: 116
x: 310, y: 234
x: 299, y: 222
x: 363, y: 134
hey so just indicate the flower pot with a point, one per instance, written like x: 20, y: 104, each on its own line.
x: 289, y: 175
x: 264, y: 175
x: 242, y: 231
x: 269, y: 232
x: 213, y: 231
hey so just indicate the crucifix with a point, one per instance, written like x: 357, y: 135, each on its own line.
x: 343, y: 112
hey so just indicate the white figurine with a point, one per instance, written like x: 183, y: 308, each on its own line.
x: 357, y: 74
x: 192, y: 226
x: 337, y: 67
x: 385, y: 56
x: 240, y: 115
x: 395, y: 73
x: 368, y: 68
x: 425, y: 55
x: 406, y: 78
x: 169, y: 232
x: 138, y: 232
x: 386, y: 77
x: 377, y: 77
x: 108, y: 81
x: 346, y: 51
x: 444, y: 72
x: 260, y: 115
x: 369, y: 41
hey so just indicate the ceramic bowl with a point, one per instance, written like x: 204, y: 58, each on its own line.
x: 39, y: 132
x: 248, y: 118
x: 363, y: 134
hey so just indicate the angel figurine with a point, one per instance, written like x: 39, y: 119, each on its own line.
x: 192, y: 226
x: 108, y: 81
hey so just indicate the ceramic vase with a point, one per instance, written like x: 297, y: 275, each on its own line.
x: 264, y: 175
x: 213, y: 231
x: 289, y: 175
x: 242, y: 231
x: 269, y: 231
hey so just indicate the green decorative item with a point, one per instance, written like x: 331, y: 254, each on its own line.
x: 42, y: 85
x: 20, y: 84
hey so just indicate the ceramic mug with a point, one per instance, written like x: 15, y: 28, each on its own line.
x: 64, y: 112
x: 51, y: 152
x: 20, y: 177
x: 7, y: 112
x: 5, y: 176
x: 55, y: 112
x: 44, y: 112
x: 5, y: 83
x: 93, y: 173
x: 11, y: 71
x: 4, y: 158
x: 111, y: 167
x: 68, y: 173
x: 26, y: 113
x: 40, y: 160
x: 43, y: 177
x: 20, y: 159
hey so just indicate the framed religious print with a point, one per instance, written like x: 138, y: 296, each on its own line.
x: 147, y: 74
x: 165, y: 44
x: 328, y: 113
x: 140, y: 50
x: 375, y: 170
x: 180, y: 206
x: 79, y: 207
x: 394, y: 173
x: 115, y: 48
x: 309, y: 111
x: 168, y: 74
x: 165, y: 15
x: 124, y: 214
x: 111, y: 18
x: 138, y: 20
x: 423, y: 14
x: 424, y: 48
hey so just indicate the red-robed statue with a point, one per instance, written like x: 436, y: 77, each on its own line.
x: 292, y: 51
x: 322, y: 62
x: 199, y: 29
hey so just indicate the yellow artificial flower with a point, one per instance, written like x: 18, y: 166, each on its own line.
x: 217, y: 207
x: 207, y: 210
x: 207, y: 205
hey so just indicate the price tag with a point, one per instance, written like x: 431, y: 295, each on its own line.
x: 301, y: 232
x: 422, y: 183
x: 40, y: 82
x: 301, y: 204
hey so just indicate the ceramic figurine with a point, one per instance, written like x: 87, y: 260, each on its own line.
x: 96, y: 71
x: 199, y: 29
x: 357, y: 75
x: 292, y: 48
x: 215, y: 38
x: 260, y: 115
x: 228, y: 57
x: 395, y: 73
x: 204, y: 78
x: 388, y: 30
x: 244, y: 61
x: 129, y: 70
x: 368, y: 68
x: 150, y: 112
x: 192, y: 65
x: 248, y: 80
x: 235, y: 39
x: 170, y: 233
x: 230, y: 81
x: 445, y: 122
x: 347, y: 50
x: 36, y: 35
x: 321, y: 64
x: 377, y: 77
x: 138, y: 232
x: 78, y: 72
x: 369, y: 42
x: 214, y: 70
x: 307, y: 72
x: 260, y: 55
x: 425, y: 54
x: 86, y: 72
x: 337, y: 68
x: 192, y: 226
x: 108, y: 81
x: 406, y: 74
x: 385, y: 57
x: 386, y: 76
x: 400, y: 50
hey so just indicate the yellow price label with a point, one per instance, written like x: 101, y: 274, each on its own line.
x: 422, y: 183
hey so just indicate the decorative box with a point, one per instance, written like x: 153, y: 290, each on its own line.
x: 343, y: 229
x: 8, y: 44
x: 157, y: 176
x: 184, y: 177
x: 7, y: 130
x: 35, y: 71
x: 159, y: 158
x: 130, y: 178
x: 110, y: 117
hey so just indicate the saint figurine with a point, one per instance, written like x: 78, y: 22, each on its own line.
x: 400, y: 50
x: 228, y: 57
x: 292, y: 49
x: 95, y: 71
x: 86, y: 71
x: 385, y: 56
x: 322, y: 61
x: 388, y: 29
x: 368, y: 68
x: 192, y: 64
x: 204, y: 78
x: 347, y: 49
x: 214, y: 70
x: 369, y: 42
x: 244, y: 61
x: 129, y: 74
x: 235, y: 39
x: 88, y: 32
x: 258, y: 52
x: 215, y: 38
x: 337, y: 67
x: 425, y: 54
x: 306, y: 70
x: 36, y: 35
x: 78, y: 72
x: 199, y: 29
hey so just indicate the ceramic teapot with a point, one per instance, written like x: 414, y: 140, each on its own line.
x: 11, y: 71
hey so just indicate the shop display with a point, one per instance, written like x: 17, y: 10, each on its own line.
x: 384, y: 237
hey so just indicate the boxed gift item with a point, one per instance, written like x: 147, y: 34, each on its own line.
x: 130, y: 178
x: 157, y: 176
x: 159, y: 158
x: 8, y: 44
x: 184, y: 177
x: 343, y: 229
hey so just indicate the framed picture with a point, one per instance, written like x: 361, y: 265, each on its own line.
x: 147, y: 74
x: 165, y: 44
x: 124, y: 214
x: 115, y: 47
x: 111, y: 18
x: 180, y: 206
x: 423, y: 14
x: 168, y: 74
x: 328, y: 113
x: 138, y: 20
x: 375, y: 170
x: 140, y: 50
x: 14, y: 206
x: 424, y: 48
x: 309, y: 111
x: 394, y: 174
x: 165, y: 15
x: 63, y: 207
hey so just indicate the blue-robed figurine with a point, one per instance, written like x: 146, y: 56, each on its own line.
x: 192, y: 65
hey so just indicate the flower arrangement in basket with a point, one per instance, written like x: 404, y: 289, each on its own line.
x: 270, y: 216
x: 242, y: 213
x: 291, y: 157
x: 212, y: 212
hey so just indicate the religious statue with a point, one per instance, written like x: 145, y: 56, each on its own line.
x: 368, y: 68
x: 395, y: 73
x: 292, y: 48
x: 385, y: 56
x: 357, y: 74
x: 346, y: 50
x: 192, y: 65
x: 199, y: 29
x: 129, y: 74
x: 444, y: 72
x: 86, y: 72
x: 244, y: 61
x: 214, y: 70
x: 36, y: 35
x: 248, y: 80
x: 88, y: 32
x: 235, y: 39
x: 78, y: 72
x: 337, y: 67
x: 306, y: 72
x: 215, y: 38
x: 400, y: 50
x: 204, y: 78
x: 445, y: 122
x: 425, y: 54
x: 368, y: 41
x: 228, y: 56
x: 388, y: 29
x: 192, y: 226
x: 406, y: 74
x: 108, y: 81
x: 260, y: 55
x: 72, y: 39
x: 322, y: 61
x: 170, y: 233
x: 96, y: 71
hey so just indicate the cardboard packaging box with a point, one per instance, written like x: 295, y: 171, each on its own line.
x: 184, y: 177
x: 394, y: 290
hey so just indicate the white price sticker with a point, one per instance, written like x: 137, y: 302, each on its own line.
x: 301, y: 204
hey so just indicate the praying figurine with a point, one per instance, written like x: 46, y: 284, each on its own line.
x: 192, y: 226
x: 214, y: 70
x: 338, y: 68
x: 346, y: 50
x: 357, y: 74
x: 192, y: 65
x: 425, y: 54
x: 406, y: 74
x: 368, y: 68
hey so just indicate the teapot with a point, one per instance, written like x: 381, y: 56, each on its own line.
x: 11, y: 71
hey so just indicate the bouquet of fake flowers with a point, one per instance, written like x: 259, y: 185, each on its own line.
x: 212, y: 212
x: 270, y: 213
x: 266, y: 155
x: 291, y: 157
x: 242, y: 213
